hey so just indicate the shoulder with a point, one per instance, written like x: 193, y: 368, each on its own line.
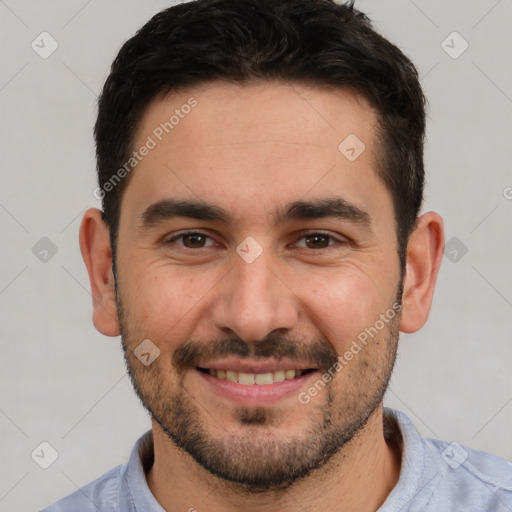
x: 101, y: 494
x: 468, y: 478
x: 439, y: 476
x: 112, y: 492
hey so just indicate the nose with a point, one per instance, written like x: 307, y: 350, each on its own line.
x: 253, y: 300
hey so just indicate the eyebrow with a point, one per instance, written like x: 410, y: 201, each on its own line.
x: 336, y: 207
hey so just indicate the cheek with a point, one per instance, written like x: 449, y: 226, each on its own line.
x: 165, y: 301
x: 343, y: 304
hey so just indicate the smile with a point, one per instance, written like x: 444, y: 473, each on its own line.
x: 260, y: 379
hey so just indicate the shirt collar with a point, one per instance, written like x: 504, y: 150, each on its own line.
x: 412, y: 462
x: 141, y: 460
x: 397, y: 424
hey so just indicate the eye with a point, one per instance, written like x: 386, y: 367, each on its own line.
x: 317, y: 240
x: 310, y: 240
x: 192, y: 240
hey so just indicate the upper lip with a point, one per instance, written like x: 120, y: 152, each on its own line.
x: 254, y: 366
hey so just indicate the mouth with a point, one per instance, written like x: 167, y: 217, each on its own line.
x: 258, y: 379
x: 253, y: 383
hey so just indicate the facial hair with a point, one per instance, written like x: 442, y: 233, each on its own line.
x: 258, y: 456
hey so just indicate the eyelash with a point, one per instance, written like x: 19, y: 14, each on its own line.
x: 303, y: 234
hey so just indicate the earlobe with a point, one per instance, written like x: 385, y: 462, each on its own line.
x: 97, y: 255
x: 424, y: 255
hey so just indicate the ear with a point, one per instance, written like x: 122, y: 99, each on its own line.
x: 424, y: 255
x: 97, y: 255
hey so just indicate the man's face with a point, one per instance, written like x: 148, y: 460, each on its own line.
x: 294, y: 259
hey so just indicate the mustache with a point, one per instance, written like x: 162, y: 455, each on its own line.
x: 319, y: 354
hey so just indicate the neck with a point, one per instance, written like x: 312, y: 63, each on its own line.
x: 359, y: 477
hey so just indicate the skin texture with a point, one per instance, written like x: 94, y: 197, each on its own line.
x: 251, y: 150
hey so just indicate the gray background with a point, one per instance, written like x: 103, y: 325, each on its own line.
x: 64, y: 383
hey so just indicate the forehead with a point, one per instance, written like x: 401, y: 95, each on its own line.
x: 266, y: 111
x: 273, y: 141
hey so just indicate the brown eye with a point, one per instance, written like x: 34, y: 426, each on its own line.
x: 317, y: 241
x: 192, y: 240
x: 321, y: 241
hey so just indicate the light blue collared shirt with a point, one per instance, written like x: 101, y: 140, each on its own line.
x: 435, y: 476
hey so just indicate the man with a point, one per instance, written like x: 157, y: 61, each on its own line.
x: 260, y: 247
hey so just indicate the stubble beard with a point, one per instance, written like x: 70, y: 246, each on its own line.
x: 257, y: 457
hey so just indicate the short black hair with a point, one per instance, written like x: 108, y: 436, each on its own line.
x: 313, y: 42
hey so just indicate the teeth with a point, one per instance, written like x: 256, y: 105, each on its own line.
x: 278, y: 376
x: 261, y: 379
x: 264, y: 378
x: 246, y: 378
x: 231, y: 376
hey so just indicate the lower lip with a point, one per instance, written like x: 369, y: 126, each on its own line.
x: 257, y: 395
